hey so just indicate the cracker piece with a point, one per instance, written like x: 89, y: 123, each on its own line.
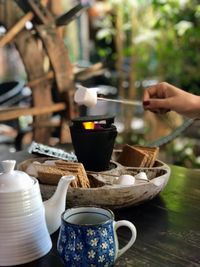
x: 132, y: 157
x: 77, y: 169
x: 50, y: 174
x: 152, y: 154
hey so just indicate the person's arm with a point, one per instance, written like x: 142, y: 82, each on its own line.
x: 163, y: 97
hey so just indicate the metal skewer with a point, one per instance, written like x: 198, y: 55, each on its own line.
x: 123, y: 101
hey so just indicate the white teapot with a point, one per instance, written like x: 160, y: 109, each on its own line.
x: 25, y: 222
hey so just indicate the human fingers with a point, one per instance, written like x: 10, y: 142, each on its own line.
x: 163, y: 105
x: 159, y: 111
x: 150, y: 92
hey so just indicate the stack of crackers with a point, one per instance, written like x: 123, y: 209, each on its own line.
x: 51, y: 174
x: 138, y: 156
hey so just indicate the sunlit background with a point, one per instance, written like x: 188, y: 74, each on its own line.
x: 138, y: 43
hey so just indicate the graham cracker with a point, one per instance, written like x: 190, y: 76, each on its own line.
x: 133, y: 157
x: 77, y: 169
x: 152, y: 154
x: 49, y: 174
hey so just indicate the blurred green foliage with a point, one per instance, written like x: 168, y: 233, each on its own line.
x: 178, y: 43
x: 184, y: 151
x: 166, y: 39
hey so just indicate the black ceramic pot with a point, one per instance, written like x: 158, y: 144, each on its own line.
x: 93, y: 147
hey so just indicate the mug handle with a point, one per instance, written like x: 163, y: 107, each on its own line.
x: 133, y: 237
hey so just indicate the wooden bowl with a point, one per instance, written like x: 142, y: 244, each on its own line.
x: 111, y: 196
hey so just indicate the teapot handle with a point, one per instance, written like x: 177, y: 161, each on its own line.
x: 133, y: 235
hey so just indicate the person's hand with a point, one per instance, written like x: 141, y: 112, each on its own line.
x: 164, y: 97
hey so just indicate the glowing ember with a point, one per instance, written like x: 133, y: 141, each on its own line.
x: 89, y: 125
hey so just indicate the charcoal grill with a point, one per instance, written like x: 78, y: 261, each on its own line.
x: 93, y: 139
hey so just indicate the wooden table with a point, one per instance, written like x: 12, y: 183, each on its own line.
x: 168, y: 226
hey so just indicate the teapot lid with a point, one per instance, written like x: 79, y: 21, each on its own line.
x: 13, y: 181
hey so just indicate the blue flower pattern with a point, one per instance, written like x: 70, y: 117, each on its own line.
x: 87, y: 247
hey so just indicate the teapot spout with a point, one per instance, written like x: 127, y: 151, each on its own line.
x: 55, y: 206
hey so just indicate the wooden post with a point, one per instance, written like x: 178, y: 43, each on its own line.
x: 15, y: 112
x: 131, y: 93
x: 119, y: 46
x: 33, y: 59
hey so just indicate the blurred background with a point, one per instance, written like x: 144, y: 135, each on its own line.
x: 133, y: 44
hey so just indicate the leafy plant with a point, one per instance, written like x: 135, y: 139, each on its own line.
x: 165, y: 39
x: 177, y: 45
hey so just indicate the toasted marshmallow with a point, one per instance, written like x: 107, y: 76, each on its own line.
x: 85, y: 96
x: 31, y: 169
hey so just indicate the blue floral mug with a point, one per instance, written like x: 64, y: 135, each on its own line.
x: 88, y: 237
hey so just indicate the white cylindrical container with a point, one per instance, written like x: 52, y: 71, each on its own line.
x: 23, y: 232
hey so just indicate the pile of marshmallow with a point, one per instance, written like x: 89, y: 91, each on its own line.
x: 127, y: 179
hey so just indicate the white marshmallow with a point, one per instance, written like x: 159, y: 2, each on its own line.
x: 85, y: 96
x: 141, y: 175
x: 31, y: 170
x: 50, y: 162
x: 125, y: 179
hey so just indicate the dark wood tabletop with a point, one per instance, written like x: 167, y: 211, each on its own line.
x: 168, y: 227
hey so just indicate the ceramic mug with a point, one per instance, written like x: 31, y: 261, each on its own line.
x: 88, y: 237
